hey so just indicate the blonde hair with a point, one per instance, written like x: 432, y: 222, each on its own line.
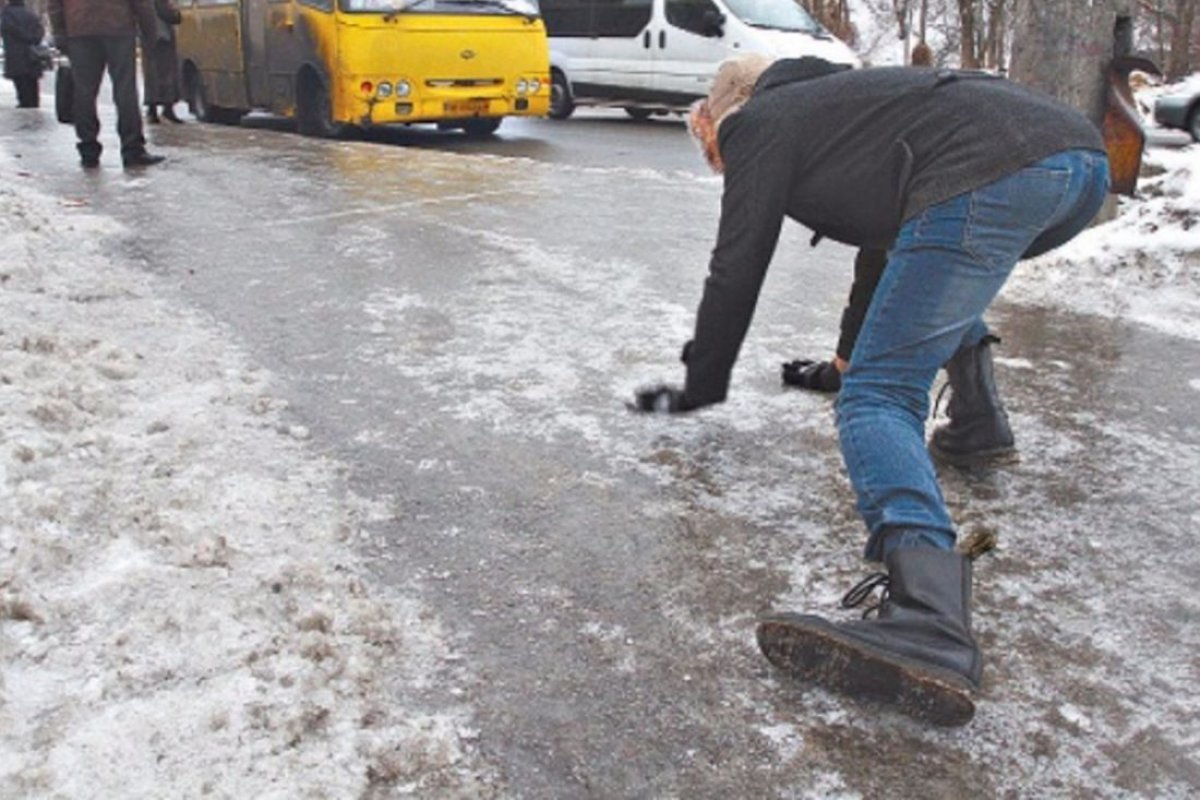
x: 734, y: 83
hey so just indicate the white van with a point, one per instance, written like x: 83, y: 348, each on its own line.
x: 649, y: 56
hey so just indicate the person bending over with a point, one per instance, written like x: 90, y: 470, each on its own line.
x: 957, y: 175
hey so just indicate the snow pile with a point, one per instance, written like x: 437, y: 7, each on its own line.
x: 182, y: 612
x: 1143, y: 266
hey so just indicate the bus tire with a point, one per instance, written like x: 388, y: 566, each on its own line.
x: 481, y: 127
x: 202, y: 109
x: 314, y: 111
x: 638, y: 114
x: 562, y: 105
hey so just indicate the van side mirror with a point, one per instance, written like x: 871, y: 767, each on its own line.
x: 713, y: 24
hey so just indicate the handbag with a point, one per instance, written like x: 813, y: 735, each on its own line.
x: 64, y: 94
x: 43, y: 55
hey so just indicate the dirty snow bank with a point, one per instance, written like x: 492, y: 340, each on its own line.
x: 1143, y: 266
x: 182, y: 612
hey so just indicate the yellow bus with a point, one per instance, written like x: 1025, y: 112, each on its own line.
x: 333, y: 65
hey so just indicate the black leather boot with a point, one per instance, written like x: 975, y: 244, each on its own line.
x: 918, y: 654
x: 978, y: 431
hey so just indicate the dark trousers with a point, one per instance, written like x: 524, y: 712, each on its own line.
x: 90, y: 56
x: 27, y: 91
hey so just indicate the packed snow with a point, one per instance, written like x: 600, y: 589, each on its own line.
x: 183, y: 610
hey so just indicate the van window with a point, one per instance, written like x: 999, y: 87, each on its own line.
x: 567, y: 17
x: 689, y: 15
x: 622, y: 18
x: 596, y: 17
x: 784, y: 16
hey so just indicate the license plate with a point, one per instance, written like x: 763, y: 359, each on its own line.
x: 465, y: 108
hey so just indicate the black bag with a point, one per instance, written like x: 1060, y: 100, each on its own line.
x: 64, y: 94
x: 43, y: 55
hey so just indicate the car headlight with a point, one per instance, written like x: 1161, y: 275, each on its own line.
x: 384, y: 89
x: 522, y: 86
x: 403, y: 88
x: 534, y: 85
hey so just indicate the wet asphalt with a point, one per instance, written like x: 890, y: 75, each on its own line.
x: 458, y: 324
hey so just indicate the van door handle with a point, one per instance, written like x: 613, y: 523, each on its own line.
x: 662, y: 39
x: 646, y: 39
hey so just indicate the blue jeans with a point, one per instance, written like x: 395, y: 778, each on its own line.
x: 946, y: 267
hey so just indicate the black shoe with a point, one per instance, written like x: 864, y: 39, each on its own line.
x: 89, y: 162
x: 918, y: 655
x: 168, y: 113
x: 978, y: 432
x: 142, y: 159
x: 152, y: 116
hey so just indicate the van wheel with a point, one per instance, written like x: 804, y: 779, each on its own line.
x: 562, y: 105
x: 639, y: 114
x: 314, y: 112
x: 481, y: 127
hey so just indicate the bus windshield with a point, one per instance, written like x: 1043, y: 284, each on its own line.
x: 528, y: 8
x: 784, y: 15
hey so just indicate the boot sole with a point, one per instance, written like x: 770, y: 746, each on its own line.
x: 997, y: 456
x: 823, y: 656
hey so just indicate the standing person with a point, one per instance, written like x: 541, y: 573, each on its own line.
x: 22, y: 31
x: 160, y: 64
x: 957, y: 176
x: 99, y: 35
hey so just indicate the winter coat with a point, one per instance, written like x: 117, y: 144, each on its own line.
x: 853, y: 154
x: 71, y: 18
x: 160, y: 60
x: 21, y: 30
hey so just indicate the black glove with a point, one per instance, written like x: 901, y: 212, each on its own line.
x: 660, y: 399
x: 818, y: 376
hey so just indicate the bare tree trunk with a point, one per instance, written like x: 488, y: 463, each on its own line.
x: 1179, y: 62
x: 1063, y: 47
x: 966, y: 21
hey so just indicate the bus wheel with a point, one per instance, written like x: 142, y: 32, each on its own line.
x: 562, y: 105
x: 206, y: 111
x: 198, y: 99
x: 639, y: 114
x: 481, y: 127
x: 314, y: 115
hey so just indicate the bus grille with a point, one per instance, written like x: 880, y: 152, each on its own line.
x: 446, y: 83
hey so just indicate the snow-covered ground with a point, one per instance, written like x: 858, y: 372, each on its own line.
x: 184, y: 609
x: 1144, y: 266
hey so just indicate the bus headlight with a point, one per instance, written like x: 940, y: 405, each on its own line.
x: 522, y: 86
x: 534, y: 85
x: 403, y: 88
x: 384, y: 90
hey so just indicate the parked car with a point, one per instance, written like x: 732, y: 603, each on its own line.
x: 657, y: 56
x: 1180, y: 111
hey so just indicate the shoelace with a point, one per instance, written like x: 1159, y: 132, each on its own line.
x: 937, y: 401
x: 862, y: 591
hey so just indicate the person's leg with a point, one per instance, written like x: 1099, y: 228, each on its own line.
x: 918, y: 653
x: 122, y: 71
x: 947, y: 266
x: 26, y: 86
x: 88, y: 57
